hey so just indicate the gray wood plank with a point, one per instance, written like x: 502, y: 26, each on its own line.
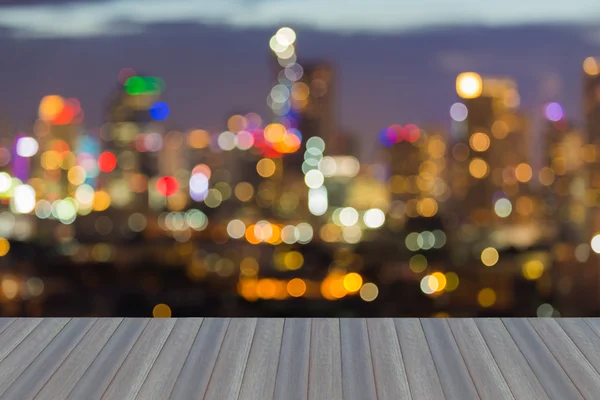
x: 72, y: 369
x: 358, y: 381
x: 573, y: 362
x: 162, y: 377
x: 550, y: 374
x: 420, y: 369
x: 15, y: 333
x: 488, y: 379
x: 41, y: 369
x: 193, y: 378
x: 261, y: 367
x: 518, y: 374
x: 325, y: 367
x: 388, y: 367
x: 131, y: 375
x: 292, y: 371
x: 584, y: 337
x: 23, y: 355
x: 97, y: 377
x: 5, y: 323
x: 231, y: 362
x: 454, y: 375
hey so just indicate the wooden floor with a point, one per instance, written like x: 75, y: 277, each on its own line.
x: 323, y: 359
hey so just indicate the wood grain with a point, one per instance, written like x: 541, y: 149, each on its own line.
x: 452, y: 370
x: 292, y: 371
x: 357, y: 365
x: 516, y: 370
x: 548, y: 371
x: 164, y: 373
x: 420, y: 369
x: 325, y: 365
x: 261, y: 367
x: 79, y: 360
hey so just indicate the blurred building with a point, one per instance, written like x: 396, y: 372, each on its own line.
x: 491, y: 161
x: 591, y: 105
x: 134, y: 137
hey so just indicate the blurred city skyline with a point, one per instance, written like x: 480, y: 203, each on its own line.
x: 383, y: 76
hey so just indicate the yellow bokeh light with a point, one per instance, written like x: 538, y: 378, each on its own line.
x: 441, y: 280
x: 489, y: 256
x: 266, y: 288
x: 161, y: 311
x: 486, y: 297
x: 236, y: 123
x: 249, y: 266
x: 417, y: 263
x: 427, y: 207
x: 275, y: 133
x: 293, y: 260
x: 296, y: 287
x: 198, y: 139
x: 500, y: 129
x: 479, y: 142
x: 300, y: 91
x: 532, y: 269
x: 452, y: 281
x: 50, y: 107
x: 4, y: 246
x: 352, y: 282
x: 101, y: 201
x: 524, y: 205
x: 10, y: 288
x: 478, y: 168
x: 523, y: 172
x: 591, y: 66
x: 51, y: 160
x: 469, y: 85
x: 244, y: 191
x: 369, y: 291
x: 265, y: 167
x: 76, y: 175
x: 546, y: 176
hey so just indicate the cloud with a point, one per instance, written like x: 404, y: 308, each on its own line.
x: 110, y: 17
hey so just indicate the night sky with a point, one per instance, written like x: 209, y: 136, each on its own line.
x: 385, y: 74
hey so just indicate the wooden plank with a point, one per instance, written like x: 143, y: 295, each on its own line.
x: 573, y: 362
x: 325, y: 366
x: 23, y: 355
x: 15, y: 333
x: 594, y: 324
x: 72, y: 369
x: 195, y: 374
x: 231, y: 362
x: 487, y: 377
x: 261, y: 368
x: 97, y: 377
x: 162, y: 377
x: 514, y: 367
x: 584, y: 337
x: 292, y: 371
x: 420, y: 369
x: 550, y: 374
x: 358, y: 381
x: 454, y: 375
x: 41, y: 369
x: 131, y: 375
x: 5, y: 323
x: 388, y: 367
x: 293, y: 365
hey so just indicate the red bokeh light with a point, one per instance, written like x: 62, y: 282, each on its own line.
x: 107, y: 161
x: 411, y: 133
x: 167, y: 186
x: 65, y: 117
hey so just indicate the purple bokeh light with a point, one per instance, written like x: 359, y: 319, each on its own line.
x: 554, y: 112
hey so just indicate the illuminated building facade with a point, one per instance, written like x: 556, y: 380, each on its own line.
x: 491, y: 160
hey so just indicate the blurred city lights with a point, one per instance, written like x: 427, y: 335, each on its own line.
x: 469, y: 85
